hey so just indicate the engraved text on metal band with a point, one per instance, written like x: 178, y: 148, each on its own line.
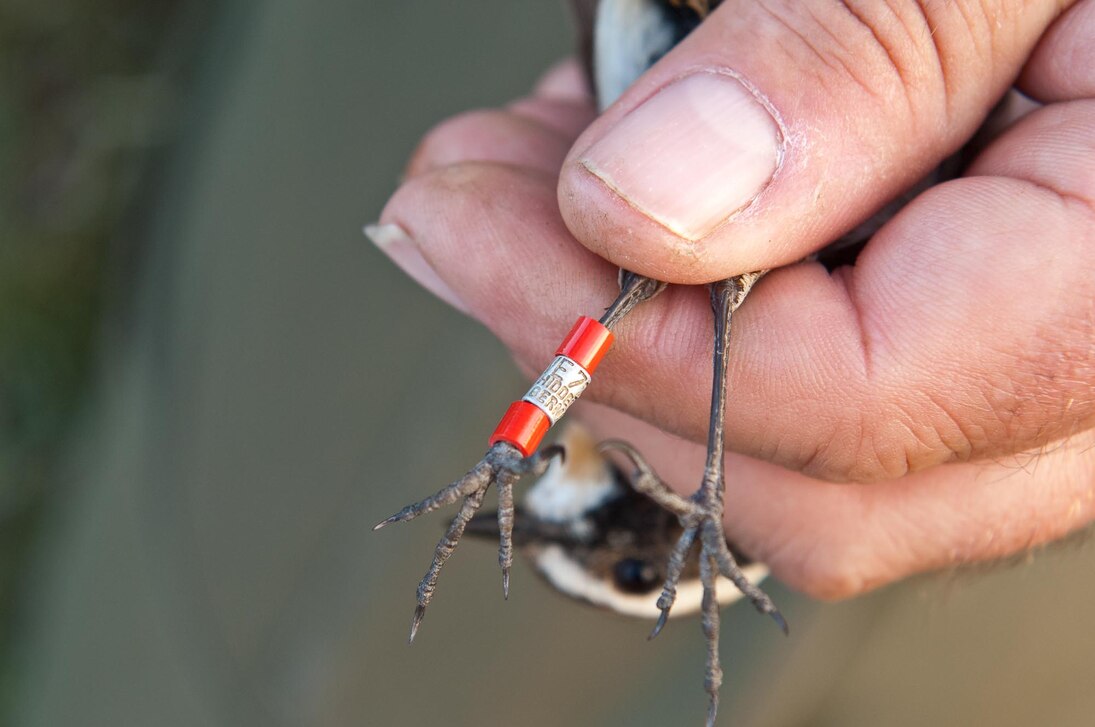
x: 558, y: 387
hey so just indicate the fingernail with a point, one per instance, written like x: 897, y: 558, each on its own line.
x: 394, y: 242
x: 692, y: 155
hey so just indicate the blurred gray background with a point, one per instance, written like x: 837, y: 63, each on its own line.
x: 213, y: 386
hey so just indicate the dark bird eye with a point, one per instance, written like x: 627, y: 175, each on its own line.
x: 635, y: 576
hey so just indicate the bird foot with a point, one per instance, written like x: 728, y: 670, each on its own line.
x: 701, y: 519
x: 503, y: 465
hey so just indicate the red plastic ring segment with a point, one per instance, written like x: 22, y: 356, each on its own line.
x: 523, y: 425
x: 587, y: 343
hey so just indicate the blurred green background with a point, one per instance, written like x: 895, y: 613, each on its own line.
x: 211, y: 386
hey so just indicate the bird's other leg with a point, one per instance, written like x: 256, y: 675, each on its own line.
x: 701, y: 514
x: 712, y: 673
x: 503, y: 464
x: 694, y: 517
x: 726, y: 297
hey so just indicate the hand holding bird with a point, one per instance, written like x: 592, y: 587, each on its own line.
x: 960, y: 341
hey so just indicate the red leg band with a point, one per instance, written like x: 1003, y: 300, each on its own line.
x: 523, y: 425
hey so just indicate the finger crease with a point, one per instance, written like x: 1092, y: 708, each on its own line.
x: 887, y: 48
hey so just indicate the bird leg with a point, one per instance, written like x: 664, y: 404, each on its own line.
x: 726, y: 297
x: 701, y: 514
x: 503, y: 464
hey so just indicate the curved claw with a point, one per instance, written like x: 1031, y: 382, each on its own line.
x: 662, y: 619
x: 419, y: 612
x: 386, y: 521
x: 714, y: 542
x: 780, y: 621
x: 536, y: 464
x: 626, y: 449
x: 410, y: 512
x: 555, y: 450
x: 712, y: 709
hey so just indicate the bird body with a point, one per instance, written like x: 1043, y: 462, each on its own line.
x: 629, y: 36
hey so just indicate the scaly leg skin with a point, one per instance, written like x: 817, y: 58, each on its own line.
x: 701, y: 514
x: 504, y: 465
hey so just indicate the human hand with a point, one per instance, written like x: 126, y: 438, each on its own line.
x: 953, y: 367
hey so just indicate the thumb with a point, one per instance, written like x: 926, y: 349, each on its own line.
x: 779, y: 125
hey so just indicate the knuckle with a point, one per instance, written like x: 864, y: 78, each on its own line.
x: 865, y: 446
x: 490, y: 135
x: 958, y: 41
x: 451, y: 182
x: 447, y: 142
x: 1042, y: 396
x: 901, y: 39
x: 911, y: 55
x: 884, y: 50
x: 889, y: 440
